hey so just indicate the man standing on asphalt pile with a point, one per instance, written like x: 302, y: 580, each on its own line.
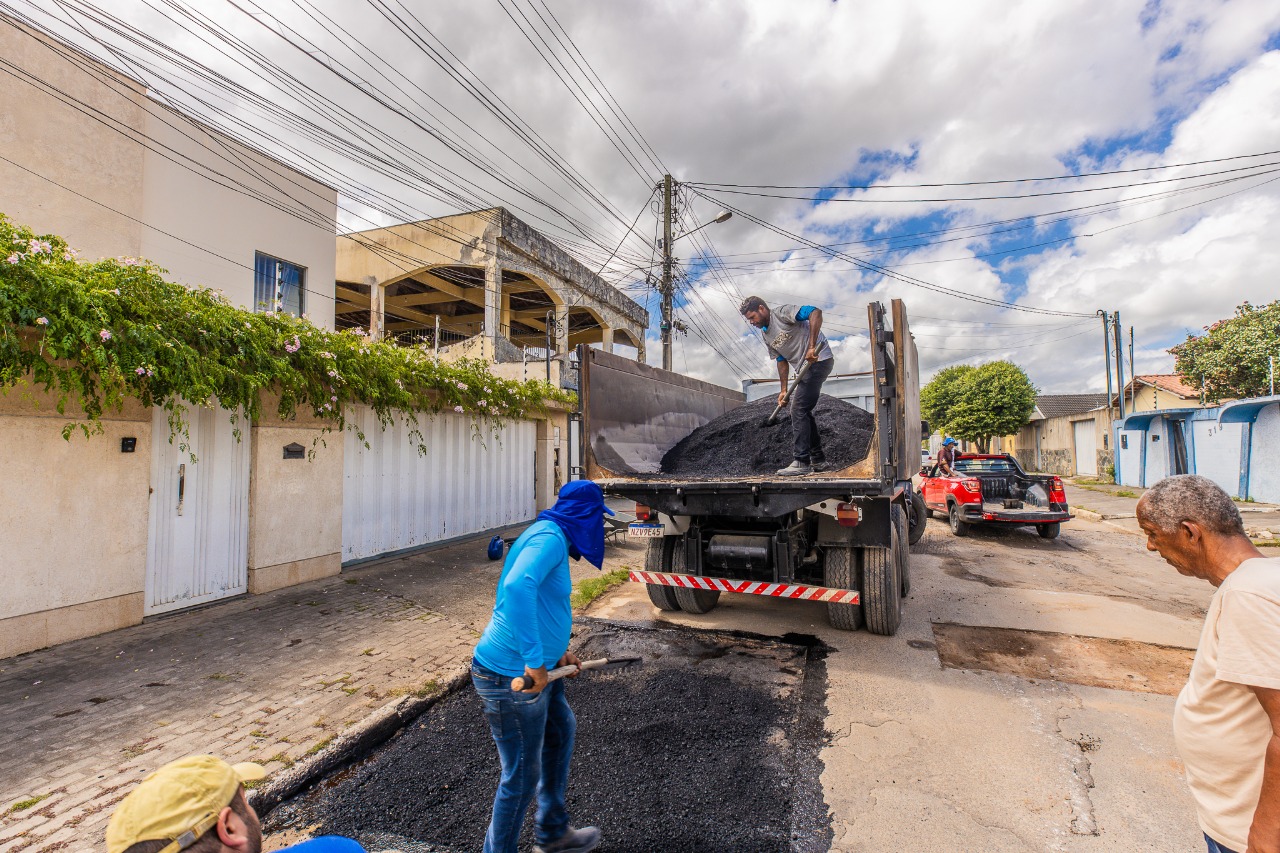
x: 197, y: 805
x: 794, y: 337
x: 1226, y: 722
x: 529, y: 632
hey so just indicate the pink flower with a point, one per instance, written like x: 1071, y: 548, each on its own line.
x: 14, y: 258
x: 333, y: 373
x: 334, y: 399
x: 141, y: 371
x: 104, y: 334
x: 68, y: 256
x: 42, y: 321
x: 294, y: 346
x: 458, y: 409
x: 462, y: 386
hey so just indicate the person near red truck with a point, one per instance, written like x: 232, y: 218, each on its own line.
x: 528, y: 633
x: 793, y: 334
x: 1226, y: 722
x: 947, y: 457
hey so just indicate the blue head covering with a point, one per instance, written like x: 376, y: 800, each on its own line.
x: 579, y: 512
x: 948, y: 441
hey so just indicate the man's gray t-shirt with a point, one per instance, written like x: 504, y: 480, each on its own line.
x: 787, y: 336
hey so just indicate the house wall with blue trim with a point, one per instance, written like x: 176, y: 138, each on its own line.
x: 1237, y: 445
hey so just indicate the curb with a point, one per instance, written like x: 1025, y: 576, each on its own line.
x: 1106, y: 520
x: 351, y: 745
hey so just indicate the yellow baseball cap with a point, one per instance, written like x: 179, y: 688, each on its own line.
x: 179, y: 802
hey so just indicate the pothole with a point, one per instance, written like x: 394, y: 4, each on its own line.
x: 711, y: 743
x: 1091, y: 661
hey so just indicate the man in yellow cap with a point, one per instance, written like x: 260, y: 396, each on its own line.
x: 197, y: 805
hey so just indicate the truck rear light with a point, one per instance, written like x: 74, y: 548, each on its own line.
x: 643, y: 513
x: 848, y: 515
x: 971, y: 485
x: 1056, y: 492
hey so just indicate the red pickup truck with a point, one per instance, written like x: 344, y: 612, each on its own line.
x: 991, y: 488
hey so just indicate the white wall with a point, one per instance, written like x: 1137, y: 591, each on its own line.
x: 1129, y: 464
x: 182, y: 195
x: 1264, y: 476
x: 1217, y: 452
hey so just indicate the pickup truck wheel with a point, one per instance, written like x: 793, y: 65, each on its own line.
x: 959, y: 526
x: 919, y: 517
x: 882, y: 587
x: 1050, y: 530
x: 903, y: 554
x: 658, y: 559
x: 840, y: 571
x: 695, y: 601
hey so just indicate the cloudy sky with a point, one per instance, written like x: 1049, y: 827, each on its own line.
x: 902, y: 136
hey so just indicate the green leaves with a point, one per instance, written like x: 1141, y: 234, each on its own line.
x: 93, y: 333
x: 978, y: 403
x: 1231, y: 356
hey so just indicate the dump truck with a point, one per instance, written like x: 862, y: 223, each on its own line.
x: 838, y: 537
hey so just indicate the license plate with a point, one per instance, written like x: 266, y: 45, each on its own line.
x: 653, y: 531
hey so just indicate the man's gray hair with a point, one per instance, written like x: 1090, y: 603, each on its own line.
x: 1190, y: 497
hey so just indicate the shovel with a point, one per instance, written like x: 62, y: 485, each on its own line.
x: 773, y: 419
x: 603, y: 664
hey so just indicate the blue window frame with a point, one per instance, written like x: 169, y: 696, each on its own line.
x: 278, y: 285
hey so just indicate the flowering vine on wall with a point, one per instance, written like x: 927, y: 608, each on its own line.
x: 92, y: 334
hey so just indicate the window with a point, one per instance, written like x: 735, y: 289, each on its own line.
x: 277, y: 285
x: 984, y: 466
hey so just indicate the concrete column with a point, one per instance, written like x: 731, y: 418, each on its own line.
x: 377, y: 308
x: 492, y: 293
x: 562, y: 329
x: 505, y: 319
x: 606, y: 342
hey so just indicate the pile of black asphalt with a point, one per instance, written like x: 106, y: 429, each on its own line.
x: 738, y: 444
x: 669, y: 757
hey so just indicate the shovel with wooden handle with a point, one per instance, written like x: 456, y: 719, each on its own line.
x: 524, y: 682
x: 773, y: 419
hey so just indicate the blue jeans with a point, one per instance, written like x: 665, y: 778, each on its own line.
x: 1215, y: 847
x: 534, y: 733
x: 804, y: 427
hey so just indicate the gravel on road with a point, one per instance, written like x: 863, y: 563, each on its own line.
x: 710, y: 745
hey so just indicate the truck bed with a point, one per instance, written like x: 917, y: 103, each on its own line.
x: 754, y: 497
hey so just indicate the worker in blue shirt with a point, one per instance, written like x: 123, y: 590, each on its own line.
x: 793, y: 334
x: 527, y: 635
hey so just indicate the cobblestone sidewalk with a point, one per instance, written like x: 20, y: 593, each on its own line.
x: 269, y: 678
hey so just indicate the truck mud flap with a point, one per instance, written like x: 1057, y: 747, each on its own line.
x: 800, y: 592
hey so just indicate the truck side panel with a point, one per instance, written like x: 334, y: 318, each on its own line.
x: 633, y: 413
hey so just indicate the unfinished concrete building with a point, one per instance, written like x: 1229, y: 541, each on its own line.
x: 482, y: 285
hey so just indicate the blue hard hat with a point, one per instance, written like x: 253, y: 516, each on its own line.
x: 948, y: 440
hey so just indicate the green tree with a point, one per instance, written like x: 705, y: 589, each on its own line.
x: 939, y: 397
x: 1230, y: 358
x: 992, y: 400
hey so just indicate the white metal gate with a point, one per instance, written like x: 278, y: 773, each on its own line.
x: 198, y: 538
x: 396, y: 498
x: 1086, y: 448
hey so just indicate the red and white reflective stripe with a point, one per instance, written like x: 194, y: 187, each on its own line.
x: 776, y: 590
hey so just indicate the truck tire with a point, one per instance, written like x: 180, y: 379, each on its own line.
x: 1049, y: 530
x: 840, y: 571
x: 919, y: 518
x: 882, y: 587
x: 903, y: 555
x: 959, y: 526
x: 695, y: 601
x: 658, y: 559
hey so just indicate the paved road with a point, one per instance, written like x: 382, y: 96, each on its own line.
x: 925, y: 757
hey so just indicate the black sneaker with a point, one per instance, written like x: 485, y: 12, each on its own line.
x: 573, y: 841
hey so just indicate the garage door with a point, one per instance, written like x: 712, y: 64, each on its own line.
x: 395, y: 497
x: 1086, y: 448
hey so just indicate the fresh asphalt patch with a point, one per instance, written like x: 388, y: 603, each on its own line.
x: 710, y: 744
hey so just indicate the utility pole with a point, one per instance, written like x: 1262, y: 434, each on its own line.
x: 1115, y: 328
x: 666, y: 286
x: 1106, y: 348
x: 1132, y: 373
